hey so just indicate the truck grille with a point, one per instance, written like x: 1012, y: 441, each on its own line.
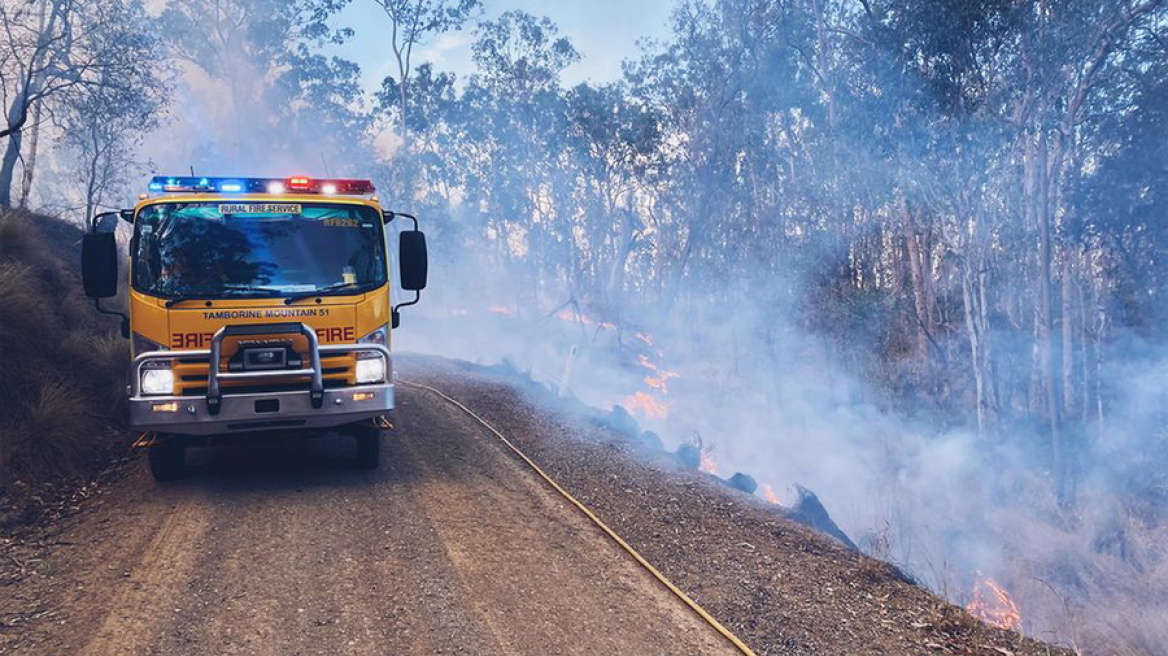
x: 190, y: 374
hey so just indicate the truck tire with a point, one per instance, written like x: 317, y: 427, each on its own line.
x: 167, y: 458
x: 368, y: 439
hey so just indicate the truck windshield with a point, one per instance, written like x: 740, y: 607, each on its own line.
x: 243, y: 249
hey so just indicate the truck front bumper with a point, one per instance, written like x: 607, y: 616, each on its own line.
x: 190, y: 415
x: 222, y: 412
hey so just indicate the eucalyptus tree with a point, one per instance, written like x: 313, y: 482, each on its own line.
x: 1072, y: 63
x: 433, y: 121
x: 319, y: 102
x: 613, y: 144
x: 57, y: 50
x: 412, y: 23
x: 517, y: 120
x: 103, y: 129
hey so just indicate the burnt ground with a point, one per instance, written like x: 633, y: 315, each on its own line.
x: 452, y: 546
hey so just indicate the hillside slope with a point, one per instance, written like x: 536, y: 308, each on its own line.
x: 61, y: 369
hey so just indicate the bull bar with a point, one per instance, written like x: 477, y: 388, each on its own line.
x: 216, y: 413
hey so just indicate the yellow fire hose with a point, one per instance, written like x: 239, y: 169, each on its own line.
x: 693, y: 605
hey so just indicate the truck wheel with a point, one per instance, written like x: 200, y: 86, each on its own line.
x: 368, y: 439
x: 167, y: 457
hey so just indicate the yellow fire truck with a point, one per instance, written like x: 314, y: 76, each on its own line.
x: 256, y: 306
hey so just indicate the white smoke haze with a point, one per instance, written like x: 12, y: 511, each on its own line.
x: 212, y: 133
x: 930, y: 495
x: 940, y: 503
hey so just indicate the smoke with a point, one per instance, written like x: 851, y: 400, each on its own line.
x: 918, y: 487
x: 944, y: 504
x: 215, y: 132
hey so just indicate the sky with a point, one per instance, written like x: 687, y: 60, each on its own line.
x: 605, y: 32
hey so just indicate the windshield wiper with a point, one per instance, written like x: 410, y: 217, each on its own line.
x: 323, y: 290
x: 212, y: 295
x: 251, y: 288
x: 182, y: 299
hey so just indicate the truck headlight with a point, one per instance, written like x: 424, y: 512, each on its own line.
x: 371, y: 365
x: 157, y: 381
x: 370, y: 371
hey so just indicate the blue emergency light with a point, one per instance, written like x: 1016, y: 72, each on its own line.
x: 292, y: 185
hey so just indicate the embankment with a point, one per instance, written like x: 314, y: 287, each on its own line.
x: 62, y: 369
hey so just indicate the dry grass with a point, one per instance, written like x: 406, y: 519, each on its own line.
x: 62, y: 367
x: 1096, y: 583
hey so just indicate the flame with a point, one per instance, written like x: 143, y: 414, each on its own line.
x: 501, y: 309
x: 768, y: 493
x: 650, y: 401
x: 708, y: 463
x: 993, y: 605
x: 647, y: 405
x: 660, y: 382
x: 576, y: 317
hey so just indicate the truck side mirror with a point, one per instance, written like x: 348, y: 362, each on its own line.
x: 99, y: 264
x: 413, y: 260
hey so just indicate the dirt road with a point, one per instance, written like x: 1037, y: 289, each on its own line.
x: 451, y: 547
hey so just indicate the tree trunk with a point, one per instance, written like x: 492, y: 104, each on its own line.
x: 917, y: 273
x: 971, y: 328
x: 616, y: 274
x: 8, y: 167
x: 1068, y: 315
x: 30, y: 161
x: 1043, y: 315
x: 983, y: 321
x: 973, y: 298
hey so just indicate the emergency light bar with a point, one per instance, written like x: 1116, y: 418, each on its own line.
x: 295, y: 185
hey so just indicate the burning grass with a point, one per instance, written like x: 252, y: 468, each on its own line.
x: 994, y: 606
x: 62, y: 369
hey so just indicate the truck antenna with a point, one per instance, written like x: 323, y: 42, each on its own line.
x: 323, y: 161
x: 192, y: 170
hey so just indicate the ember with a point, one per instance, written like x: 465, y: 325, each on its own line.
x: 993, y: 605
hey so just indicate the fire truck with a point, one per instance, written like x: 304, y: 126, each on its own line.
x: 258, y: 307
